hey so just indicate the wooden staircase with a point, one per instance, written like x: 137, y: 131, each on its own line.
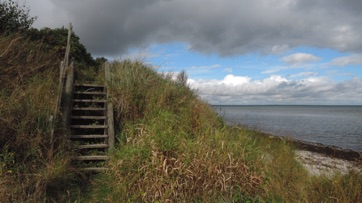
x: 91, y: 127
x: 87, y: 112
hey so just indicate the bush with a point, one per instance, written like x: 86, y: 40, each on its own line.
x: 14, y: 17
x: 57, y: 39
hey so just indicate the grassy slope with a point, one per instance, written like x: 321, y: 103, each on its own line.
x: 29, y: 72
x: 171, y: 146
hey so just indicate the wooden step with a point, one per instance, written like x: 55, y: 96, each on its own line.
x: 93, y: 146
x: 88, y: 85
x: 88, y: 109
x: 90, y: 117
x: 90, y: 93
x: 88, y: 136
x: 90, y: 100
x: 94, y: 169
x: 91, y: 158
x: 89, y: 126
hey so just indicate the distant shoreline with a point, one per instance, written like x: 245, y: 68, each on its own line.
x: 293, y: 105
x: 329, y: 150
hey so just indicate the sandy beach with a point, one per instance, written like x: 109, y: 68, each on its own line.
x: 321, y: 164
x: 319, y: 159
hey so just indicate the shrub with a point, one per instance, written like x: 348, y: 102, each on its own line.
x: 14, y: 17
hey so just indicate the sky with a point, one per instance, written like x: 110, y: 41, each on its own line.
x: 237, y: 52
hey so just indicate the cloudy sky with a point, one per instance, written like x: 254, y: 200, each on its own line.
x: 234, y: 51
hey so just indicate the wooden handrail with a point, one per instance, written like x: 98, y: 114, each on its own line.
x: 68, y: 93
x: 63, y: 75
x: 110, y: 118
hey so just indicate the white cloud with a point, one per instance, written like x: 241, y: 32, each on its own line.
x: 205, y: 67
x: 279, y: 49
x: 355, y: 59
x: 303, y: 74
x: 235, y: 80
x: 228, y: 70
x: 279, y: 90
x: 299, y: 58
x: 201, y: 70
x: 271, y: 71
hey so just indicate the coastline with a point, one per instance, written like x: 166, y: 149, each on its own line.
x: 328, y: 150
x: 320, y: 164
x: 319, y: 159
x: 300, y: 122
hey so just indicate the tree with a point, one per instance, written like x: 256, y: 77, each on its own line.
x: 57, y: 39
x: 14, y: 17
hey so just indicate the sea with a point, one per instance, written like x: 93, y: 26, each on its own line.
x: 339, y: 126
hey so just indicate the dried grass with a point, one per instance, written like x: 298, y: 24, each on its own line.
x: 173, y: 148
x: 28, y: 81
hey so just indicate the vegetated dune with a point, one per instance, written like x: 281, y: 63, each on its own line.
x: 171, y: 146
x: 28, y: 81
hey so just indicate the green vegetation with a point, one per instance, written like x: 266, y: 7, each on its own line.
x: 14, y: 17
x: 171, y: 146
x: 29, y: 74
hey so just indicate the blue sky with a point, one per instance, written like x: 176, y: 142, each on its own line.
x: 234, y: 51
x: 177, y: 57
x: 327, y: 67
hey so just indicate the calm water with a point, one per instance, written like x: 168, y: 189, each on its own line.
x: 331, y: 125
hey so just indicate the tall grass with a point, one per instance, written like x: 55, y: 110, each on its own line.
x: 29, y: 78
x: 172, y: 147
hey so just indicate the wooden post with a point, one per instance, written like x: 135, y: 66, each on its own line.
x: 110, y: 119
x: 68, y: 95
x: 69, y: 79
x: 60, y: 87
x: 54, y: 119
x: 62, y: 77
x: 66, y: 57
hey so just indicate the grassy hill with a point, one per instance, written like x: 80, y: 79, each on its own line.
x: 171, y: 146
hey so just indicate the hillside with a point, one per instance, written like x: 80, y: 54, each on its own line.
x: 170, y: 145
x: 28, y: 80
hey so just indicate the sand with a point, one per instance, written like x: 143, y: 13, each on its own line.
x: 320, y: 164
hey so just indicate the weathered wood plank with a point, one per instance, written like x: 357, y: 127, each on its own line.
x: 94, y: 169
x: 68, y: 94
x: 91, y: 158
x: 89, y: 126
x: 110, y: 118
x: 94, y: 93
x: 90, y: 117
x: 88, y: 136
x: 88, y: 85
x: 88, y: 109
x: 93, y: 146
x: 90, y: 100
